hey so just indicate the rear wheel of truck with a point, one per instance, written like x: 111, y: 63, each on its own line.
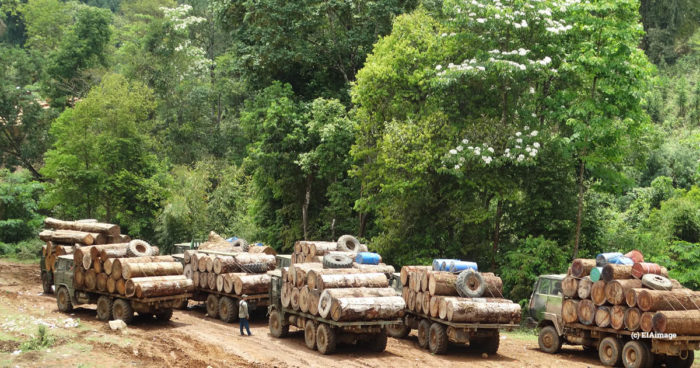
x: 325, y: 339
x: 423, y: 333
x: 228, y: 309
x: 549, y: 340
x: 437, y: 341
x: 277, y: 326
x: 490, y: 344
x: 635, y: 354
x: 164, y: 316
x: 378, y: 342
x: 310, y: 334
x: 121, y: 309
x: 684, y: 361
x: 399, y: 331
x: 212, y: 305
x: 610, y: 351
x: 104, y: 308
x: 63, y: 300
x: 46, y: 282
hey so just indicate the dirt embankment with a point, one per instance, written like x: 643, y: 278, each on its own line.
x: 191, y: 339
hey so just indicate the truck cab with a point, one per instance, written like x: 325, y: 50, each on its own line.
x: 544, y: 308
x: 46, y: 276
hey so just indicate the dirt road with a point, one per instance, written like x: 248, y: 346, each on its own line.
x: 191, y: 339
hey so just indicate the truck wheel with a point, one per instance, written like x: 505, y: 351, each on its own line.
x: 423, y: 333
x: 398, y: 331
x: 337, y: 261
x: 677, y: 361
x: 437, y: 341
x: 310, y: 335
x: 635, y: 354
x: 325, y: 339
x: 549, y: 340
x: 164, y: 315
x: 378, y: 343
x: 492, y: 343
x: 470, y: 284
x: 46, y: 282
x: 104, y: 308
x: 228, y: 309
x: 121, y: 309
x: 181, y: 305
x: 348, y: 243
x: 212, y: 305
x: 610, y: 351
x: 63, y: 300
x: 277, y: 326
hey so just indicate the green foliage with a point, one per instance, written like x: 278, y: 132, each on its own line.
x: 19, y: 195
x: 683, y: 261
x: 46, y: 21
x: 42, y: 340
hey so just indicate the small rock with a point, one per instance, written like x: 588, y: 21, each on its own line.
x: 17, y: 352
x: 484, y: 355
x: 117, y: 324
x: 136, y: 352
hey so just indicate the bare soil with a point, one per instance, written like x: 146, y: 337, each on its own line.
x: 192, y: 339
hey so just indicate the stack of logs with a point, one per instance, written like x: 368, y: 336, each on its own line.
x: 63, y: 237
x: 434, y: 293
x: 232, y: 273
x: 620, y: 301
x: 131, y: 269
x: 313, y: 251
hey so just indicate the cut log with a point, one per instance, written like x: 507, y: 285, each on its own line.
x: 584, y: 288
x: 322, y: 248
x: 493, y: 285
x: 569, y: 310
x: 286, y: 295
x: 96, y: 251
x: 187, y: 271
x: 225, y: 264
x: 219, y: 283
x: 569, y: 286
x: 210, y: 263
x: 326, y: 297
x: 295, y: 298
x: 313, y: 274
x: 425, y: 307
x: 264, y: 249
x: 371, y: 280
x: 251, y: 284
x: 121, y: 287
x: 304, y: 299
x: 111, y: 285
x: 382, y: 268
x: 685, y: 322
x: 91, y: 227
x: 434, y: 307
x: 581, y: 267
x: 442, y: 283
x: 615, y: 290
x: 90, y: 279
x: 107, y: 266
x: 187, y: 255
x: 602, y: 316
x: 367, y: 308
x: 101, y: 281
x: 586, y: 312
x: 121, y: 238
x: 87, y: 260
x: 211, y: 280
x: 97, y: 265
x: 194, y: 261
x: 298, y: 272
x: 195, y: 278
x: 646, y: 323
x: 598, y: 293
x: 631, y: 297
x: 248, y: 258
x: 658, y: 300
x: 228, y: 281
x: 643, y: 268
x: 158, y: 287
x: 406, y: 269
x: 419, y: 302
x: 202, y: 263
x: 632, y: 319
x: 68, y: 236
x: 617, y: 317
x: 118, y: 264
x: 423, y: 280
x: 411, y: 300
x: 616, y: 272
x: 78, y: 254
x: 132, y: 269
x: 465, y: 310
x: 204, y: 280
x: 314, y: 297
x: 79, y: 278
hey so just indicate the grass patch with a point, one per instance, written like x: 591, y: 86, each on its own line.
x: 41, y: 340
x: 523, y: 334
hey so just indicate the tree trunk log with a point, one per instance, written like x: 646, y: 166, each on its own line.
x: 262, y: 249
x: 312, y: 275
x: 251, y: 284
x: 225, y: 264
x: 423, y: 280
x: 465, y: 310
x: 229, y: 287
x: 247, y: 258
x: 598, y: 293
x: 211, y: 280
x: 678, y: 322
x: 382, y: 268
x: 657, y: 300
x: 367, y: 308
x: 615, y: 290
x: 91, y: 227
x: 107, y: 266
x: 411, y: 300
x: 442, y: 283
x: 150, y: 287
x: 187, y: 255
x: 295, y: 298
x: 405, y: 272
x: 195, y: 278
x: 372, y: 280
x: 121, y: 238
x: 617, y: 317
x: 100, y: 251
x: 328, y: 295
x: 187, y: 271
x: 584, y: 288
x: 121, y: 287
x: 304, y: 299
x: 299, y: 271
x: 111, y: 285
x: 493, y: 284
x: 91, y: 279
x: 219, y: 283
x: 602, y: 317
x: 119, y: 263
x: 79, y: 278
x: 632, y: 319
x: 581, y: 267
x: 131, y: 270
x: 646, y: 323
x: 569, y: 286
x: 425, y: 307
x: 434, y: 307
x: 616, y: 272
x: 569, y: 310
x: 643, y: 268
x: 204, y: 280
x: 319, y: 248
x: 70, y: 237
x: 586, y: 312
x: 97, y: 265
x: 314, y: 297
x: 87, y: 260
x: 210, y: 263
x: 419, y: 302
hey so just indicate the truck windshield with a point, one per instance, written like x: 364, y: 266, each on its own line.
x: 544, y: 286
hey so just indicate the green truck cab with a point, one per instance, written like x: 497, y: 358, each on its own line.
x: 46, y: 276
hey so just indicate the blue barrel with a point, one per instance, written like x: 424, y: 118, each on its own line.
x: 368, y: 258
x: 604, y: 258
x: 441, y: 264
x: 622, y: 260
x: 595, y: 273
x: 459, y: 266
x: 232, y: 239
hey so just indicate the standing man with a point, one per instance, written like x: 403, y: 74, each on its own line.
x: 243, y: 314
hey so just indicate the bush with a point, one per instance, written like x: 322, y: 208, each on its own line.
x: 40, y: 341
x: 19, y: 195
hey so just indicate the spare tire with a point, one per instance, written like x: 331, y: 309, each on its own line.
x: 336, y: 261
x: 470, y: 284
x: 259, y: 267
x: 363, y: 248
x: 349, y: 243
x: 656, y: 282
x: 240, y: 242
x: 139, y: 248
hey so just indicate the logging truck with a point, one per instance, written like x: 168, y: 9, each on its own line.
x: 109, y: 306
x: 224, y: 305
x: 46, y: 276
x: 633, y: 349
x: 322, y: 334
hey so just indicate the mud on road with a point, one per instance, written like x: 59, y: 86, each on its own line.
x: 191, y: 339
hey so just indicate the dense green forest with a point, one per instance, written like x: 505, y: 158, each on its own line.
x: 514, y: 133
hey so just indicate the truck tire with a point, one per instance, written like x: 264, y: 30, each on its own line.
x: 423, y: 333
x: 336, y: 261
x: 656, y: 282
x: 63, y: 300
x: 679, y: 362
x: 463, y: 288
x: 399, y: 331
x: 277, y: 326
x: 164, y: 315
x: 228, y: 309
x: 378, y: 343
x: 636, y: 354
x: 181, y: 305
x: 212, y: 304
x: 46, y: 282
x: 349, y: 243
x: 121, y: 309
x: 610, y: 351
x: 310, y: 334
x: 437, y: 339
x: 104, y: 308
x: 138, y: 248
x: 240, y: 242
x: 490, y: 344
x: 549, y: 340
x: 255, y: 267
x: 325, y: 339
